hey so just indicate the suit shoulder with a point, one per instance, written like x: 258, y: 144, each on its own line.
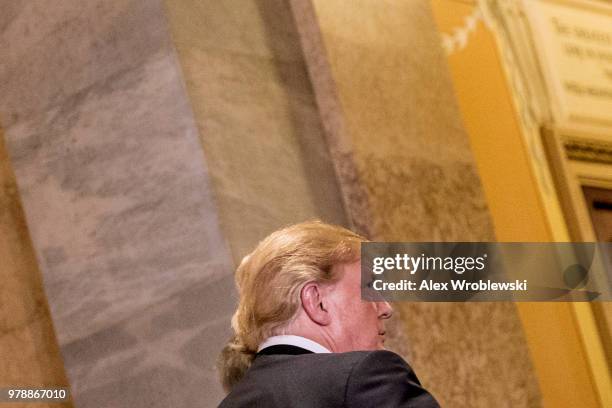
x: 352, y: 361
x: 384, y: 378
x: 310, y: 379
x: 371, y: 357
x: 381, y: 361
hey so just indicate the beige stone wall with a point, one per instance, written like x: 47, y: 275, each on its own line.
x: 256, y: 114
x: 29, y: 354
x: 380, y: 70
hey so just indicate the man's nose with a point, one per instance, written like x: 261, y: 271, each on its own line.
x: 385, y: 310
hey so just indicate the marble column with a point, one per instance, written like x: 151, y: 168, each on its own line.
x: 117, y: 198
x: 381, y: 79
x: 257, y: 116
x: 146, y: 173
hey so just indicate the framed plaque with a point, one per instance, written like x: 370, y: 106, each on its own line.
x: 573, y: 43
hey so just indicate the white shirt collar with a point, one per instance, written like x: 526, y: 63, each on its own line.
x: 292, y: 340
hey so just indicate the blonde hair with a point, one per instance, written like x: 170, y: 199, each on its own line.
x: 270, y: 280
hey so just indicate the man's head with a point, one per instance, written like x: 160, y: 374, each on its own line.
x: 334, y: 315
x: 305, y: 280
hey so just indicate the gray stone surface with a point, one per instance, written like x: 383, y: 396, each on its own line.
x: 118, y: 192
x: 117, y: 198
x: 51, y: 53
x: 258, y: 118
x: 164, y: 356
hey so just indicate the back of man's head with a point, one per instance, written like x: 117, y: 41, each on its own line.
x: 269, y: 281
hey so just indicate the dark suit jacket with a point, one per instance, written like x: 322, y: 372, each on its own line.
x: 289, y: 376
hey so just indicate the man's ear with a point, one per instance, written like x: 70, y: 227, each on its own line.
x: 314, y: 303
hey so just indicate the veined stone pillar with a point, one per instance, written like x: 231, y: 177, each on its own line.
x: 382, y: 83
x: 117, y: 199
x: 146, y: 173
